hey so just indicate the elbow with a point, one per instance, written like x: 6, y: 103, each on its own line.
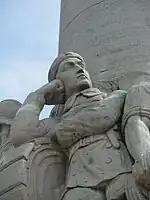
x: 18, y: 137
x: 16, y: 140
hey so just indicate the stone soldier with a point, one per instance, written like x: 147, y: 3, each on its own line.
x: 8, y: 110
x: 99, y: 163
x: 28, y: 167
x: 136, y: 123
x: 46, y: 170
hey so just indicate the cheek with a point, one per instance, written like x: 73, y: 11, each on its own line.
x: 68, y: 78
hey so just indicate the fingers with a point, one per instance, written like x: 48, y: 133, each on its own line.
x: 51, y: 87
x: 56, y: 86
x: 45, y: 88
x: 54, y: 93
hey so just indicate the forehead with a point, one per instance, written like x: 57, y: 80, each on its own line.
x: 71, y: 60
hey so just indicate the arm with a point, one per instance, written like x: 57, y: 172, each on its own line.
x: 137, y: 137
x: 136, y: 125
x: 26, y: 125
x: 135, y: 122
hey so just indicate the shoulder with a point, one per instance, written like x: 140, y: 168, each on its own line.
x: 116, y: 99
x: 118, y: 93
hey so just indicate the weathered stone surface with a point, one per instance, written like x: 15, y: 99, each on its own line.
x: 136, y: 126
x: 27, y: 172
x: 96, y: 144
x: 112, y: 37
x: 85, y: 135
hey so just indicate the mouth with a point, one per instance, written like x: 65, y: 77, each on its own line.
x: 81, y: 76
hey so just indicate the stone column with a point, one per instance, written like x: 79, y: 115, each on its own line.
x: 113, y: 36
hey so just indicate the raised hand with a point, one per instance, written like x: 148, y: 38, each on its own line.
x: 53, y: 92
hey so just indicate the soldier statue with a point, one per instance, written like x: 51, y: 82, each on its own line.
x: 88, y: 133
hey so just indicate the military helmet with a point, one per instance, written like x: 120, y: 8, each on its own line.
x: 8, y: 110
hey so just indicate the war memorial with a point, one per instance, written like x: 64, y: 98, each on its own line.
x: 95, y: 145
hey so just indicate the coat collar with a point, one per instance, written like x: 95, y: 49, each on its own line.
x: 90, y: 92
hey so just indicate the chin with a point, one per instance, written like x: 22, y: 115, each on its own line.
x: 84, y: 85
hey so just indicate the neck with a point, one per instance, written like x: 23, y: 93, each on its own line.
x: 73, y: 92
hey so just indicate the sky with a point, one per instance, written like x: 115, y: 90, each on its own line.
x: 28, y: 45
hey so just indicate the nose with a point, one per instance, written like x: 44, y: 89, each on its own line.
x: 79, y: 71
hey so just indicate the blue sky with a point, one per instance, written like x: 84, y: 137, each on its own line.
x: 28, y: 44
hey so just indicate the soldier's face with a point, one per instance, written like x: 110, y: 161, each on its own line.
x: 74, y: 75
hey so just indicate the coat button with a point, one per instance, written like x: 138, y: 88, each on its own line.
x: 109, y: 160
x: 108, y: 145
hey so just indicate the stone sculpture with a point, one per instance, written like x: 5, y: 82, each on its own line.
x: 136, y: 126
x: 46, y: 162
x: 27, y: 170
x: 8, y: 109
x: 86, y: 130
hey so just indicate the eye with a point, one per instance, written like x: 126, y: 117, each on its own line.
x: 80, y: 63
x: 71, y: 63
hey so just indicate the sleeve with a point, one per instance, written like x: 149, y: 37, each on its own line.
x: 26, y: 125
